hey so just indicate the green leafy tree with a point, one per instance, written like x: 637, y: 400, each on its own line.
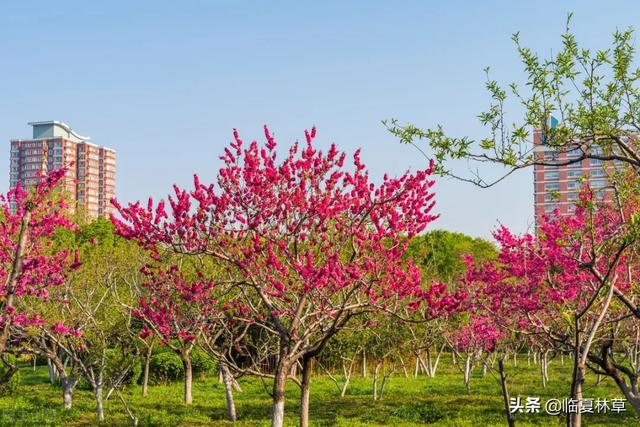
x: 88, y: 321
x: 582, y: 100
x: 439, y: 253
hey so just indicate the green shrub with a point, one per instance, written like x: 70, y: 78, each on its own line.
x: 165, y: 367
x: 84, y: 384
x: 201, y: 363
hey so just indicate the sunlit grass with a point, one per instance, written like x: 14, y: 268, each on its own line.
x: 440, y: 401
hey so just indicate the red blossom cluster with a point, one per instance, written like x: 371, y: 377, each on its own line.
x: 479, y: 334
x: 305, y: 225
x: 537, y: 277
x: 29, y: 264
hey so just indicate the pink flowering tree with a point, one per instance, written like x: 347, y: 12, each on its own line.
x: 178, y: 310
x: 571, y: 283
x: 29, y: 265
x: 310, y: 243
x: 477, y: 336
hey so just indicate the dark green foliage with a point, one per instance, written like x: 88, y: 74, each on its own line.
x: 84, y: 384
x: 202, y: 364
x: 165, y: 367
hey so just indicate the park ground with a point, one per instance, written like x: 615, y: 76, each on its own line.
x: 439, y: 401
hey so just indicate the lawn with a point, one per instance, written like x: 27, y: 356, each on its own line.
x: 439, y: 401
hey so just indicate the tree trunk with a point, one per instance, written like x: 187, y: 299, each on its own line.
x: 364, y: 364
x: 631, y: 393
x: 134, y: 420
x: 385, y: 378
x: 347, y: 376
x: 12, y: 281
x: 404, y: 368
x: 279, y: 384
x: 99, y: 407
x: 53, y: 371
x: 345, y: 385
x: 145, y: 375
x: 228, y: 388
x: 543, y: 369
x: 188, y: 378
x: 433, y: 367
x: 67, y: 391
x: 467, y: 373
x: 305, y: 391
x: 376, y: 370
x: 424, y: 368
x: 505, y: 393
x: 575, y: 419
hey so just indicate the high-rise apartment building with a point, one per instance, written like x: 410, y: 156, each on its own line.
x: 90, y: 180
x: 558, y: 187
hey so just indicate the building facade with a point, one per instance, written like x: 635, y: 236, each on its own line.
x: 558, y: 187
x: 90, y: 180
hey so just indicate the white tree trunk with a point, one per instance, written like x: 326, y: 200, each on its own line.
x: 228, y: 388
x: 99, y: 405
x: 67, y: 392
x: 467, y: 373
x: 188, y: 379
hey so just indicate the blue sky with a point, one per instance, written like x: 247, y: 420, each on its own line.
x: 165, y: 82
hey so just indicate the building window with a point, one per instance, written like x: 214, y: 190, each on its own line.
x: 574, y: 185
x: 551, y: 176
x: 574, y: 154
x: 574, y: 174
x: 550, y: 208
x: 596, y: 162
x: 552, y: 186
x: 598, y: 183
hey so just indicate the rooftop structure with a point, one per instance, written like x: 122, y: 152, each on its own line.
x: 90, y: 176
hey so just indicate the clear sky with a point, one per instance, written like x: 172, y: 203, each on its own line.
x: 165, y: 82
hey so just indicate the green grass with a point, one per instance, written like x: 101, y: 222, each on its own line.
x: 440, y: 401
